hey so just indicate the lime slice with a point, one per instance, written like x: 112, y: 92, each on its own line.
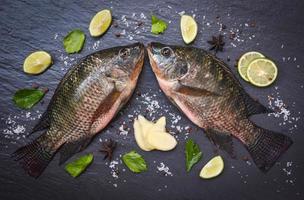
x: 37, y: 62
x: 188, y: 28
x: 213, y: 168
x: 100, y: 23
x: 245, y: 60
x: 262, y: 72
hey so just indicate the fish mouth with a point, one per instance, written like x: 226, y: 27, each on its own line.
x: 153, y: 63
x: 140, y: 60
x: 142, y: 50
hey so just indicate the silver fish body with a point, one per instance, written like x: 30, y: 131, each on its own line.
x: 85, y: 101
x: 205, y: 89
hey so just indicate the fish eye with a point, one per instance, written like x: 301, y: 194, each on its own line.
x: 166, y: 51
x: 124, y: 52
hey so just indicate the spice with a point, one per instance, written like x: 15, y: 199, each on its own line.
x: 140, y: 23
x: 217, y: 43
x: 117, y: 34
x: 115, y: 24
x: 232, y: 35
x: 35, y: 86
x: 108, y: 149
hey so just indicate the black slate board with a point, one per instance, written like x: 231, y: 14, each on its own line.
x: 26, y: 26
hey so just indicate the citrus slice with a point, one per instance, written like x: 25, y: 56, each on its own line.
x: 37, y: 62
x: 262, y: 72
x: 213, y: 168
x: 100, y: 23
x: 188, y: 28
x: 245, y: 60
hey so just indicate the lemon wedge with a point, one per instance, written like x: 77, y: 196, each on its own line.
x: 37, y: 62
x: 213, y: 168
x: 262, y: 72
x: 188, y: 28
x: 100, y: 23
x: 244, y: 62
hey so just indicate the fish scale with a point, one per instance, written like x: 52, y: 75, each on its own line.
x: 87, y: 98
x: 205, y: 89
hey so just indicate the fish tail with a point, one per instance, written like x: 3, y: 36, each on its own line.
x: 35, y: 156
x: 268, y: 147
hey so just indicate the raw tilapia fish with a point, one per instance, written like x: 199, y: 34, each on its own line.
x: 85, y: 101
x: 204, y: 88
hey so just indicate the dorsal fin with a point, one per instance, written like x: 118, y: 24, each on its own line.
x: 43, y: 123
x: 254, y: 106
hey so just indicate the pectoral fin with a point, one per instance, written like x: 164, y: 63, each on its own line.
x: 193, y: 91
x: 106, y: 104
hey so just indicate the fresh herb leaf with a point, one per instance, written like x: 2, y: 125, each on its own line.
x: 27, y: 98
x: 134, y: 162
x: 158, y: 25
x: 76, y: 167
x: 193, y: 154
x: 73, y: 41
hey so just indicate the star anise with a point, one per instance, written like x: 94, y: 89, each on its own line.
x: 108, y: 148
x: 217, y: 43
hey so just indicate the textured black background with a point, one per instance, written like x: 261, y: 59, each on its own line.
x: 26, y: 26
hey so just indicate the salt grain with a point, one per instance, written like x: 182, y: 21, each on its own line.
x: 165, y: 169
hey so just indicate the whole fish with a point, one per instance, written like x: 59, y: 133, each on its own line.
x: 204, y: 88
x: 85, y: 101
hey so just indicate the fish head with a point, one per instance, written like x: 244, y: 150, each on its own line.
x: 122, y: 63
x: 130, y: 55
x: 169, y: 62
x: 127, y: 61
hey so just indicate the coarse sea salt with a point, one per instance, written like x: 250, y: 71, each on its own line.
x: 165, y: 169
x: 123, y: 130
x: 114, y: 169
x: 15, y: 129
x: 281, y: 111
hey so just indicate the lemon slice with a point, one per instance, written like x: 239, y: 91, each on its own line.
x: 262, y: 72
x: 188, y: 28
x: 213, y: 168
x: 37, y: 62
x: 245, y: 60
x: 100, y: 23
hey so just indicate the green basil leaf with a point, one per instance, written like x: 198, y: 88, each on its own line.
x: 158, y: 25
x: 76, y: 167
x: 193, y: 154
x: 134, y: 162
x: 27, y: 98
x: 73, y: 41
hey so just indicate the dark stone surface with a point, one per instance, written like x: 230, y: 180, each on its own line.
x: 26, y: 26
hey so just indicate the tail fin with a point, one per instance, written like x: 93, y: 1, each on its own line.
x: 34, y: 157
x: 267, y: 148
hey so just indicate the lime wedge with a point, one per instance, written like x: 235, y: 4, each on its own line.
x: 213, y: 168
x: 188, y: 28
x: 245, y: 60
x: 100, y: 23
x: 262, y: 72
x: 37, y: 62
